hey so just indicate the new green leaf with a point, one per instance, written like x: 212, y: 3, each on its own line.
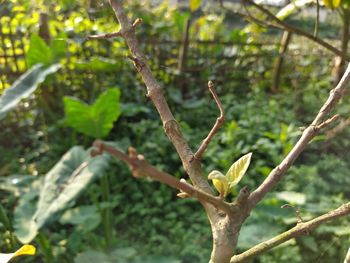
x: 224, y: 183
x: 220, y: 182
x: 94, y: 120
x: 238, y: 169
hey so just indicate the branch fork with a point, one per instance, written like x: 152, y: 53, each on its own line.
x: 119, y: 33
x: 141, y: 168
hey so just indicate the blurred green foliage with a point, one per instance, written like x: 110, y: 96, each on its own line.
x: 117, y: 216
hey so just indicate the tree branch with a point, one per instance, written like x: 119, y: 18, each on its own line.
x: 141, y: 168
x: 154, y: 92
x: 105, y: 35
x: 309, y: 133
x: 219, y: 121
x: 302, y: 228
x: 285, y: 26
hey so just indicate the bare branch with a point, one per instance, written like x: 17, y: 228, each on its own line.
x: 280, y: 24
x: 105, y: 35
x: 337, y: 129
x: 155, y: 93
x: 328, y: 121
x: 300, y: 229
x: 219, y: 121
x: 308, y: 134
x: 141, y: 168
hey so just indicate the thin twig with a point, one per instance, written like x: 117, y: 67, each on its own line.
x: 106, y: 35
x: 218, y: 123
x: 328, y: 121
x: 297, y: 30
x: 337, y: 129
x: 308, y: 134
x: 300, y: 229
x: 317, y: 18
x: 141, y: 168
x: 119, y: 33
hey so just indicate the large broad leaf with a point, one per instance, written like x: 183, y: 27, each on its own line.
x: 238, y: 169
x: 24, y: 86
x: 94, y: 120
x: 63, y: 183
x: 195, y: 4
x: 40, y: 52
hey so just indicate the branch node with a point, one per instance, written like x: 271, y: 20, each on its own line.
x: 183, y: 194
x: 296, y: 211
x: 243, y: 195
x: 328, y: 122
x: 137, y: 22
x: 135, y: 156
x: 97, y: 148
x: 137, y: 63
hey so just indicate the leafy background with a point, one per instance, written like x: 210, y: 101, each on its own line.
x: 116, y: 217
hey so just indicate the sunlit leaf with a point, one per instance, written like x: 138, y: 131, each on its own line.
x: 219, y: 181
x: 24, y: 250
x: 291, y: 8
x: 332, y: 4
x: 94, y: 120
x: 195, y: 4
x: 38, y: 52
x: 238, y: 169
x: 24, y: 86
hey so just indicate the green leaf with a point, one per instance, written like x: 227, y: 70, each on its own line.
x: 94, y: 120
x: 219, y: 181
x: 24, y: 86
x: 332, y: 4
x: 238, y: 169
x: 195, y: 4
x: 63, y: 183
x: 38, y: 52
